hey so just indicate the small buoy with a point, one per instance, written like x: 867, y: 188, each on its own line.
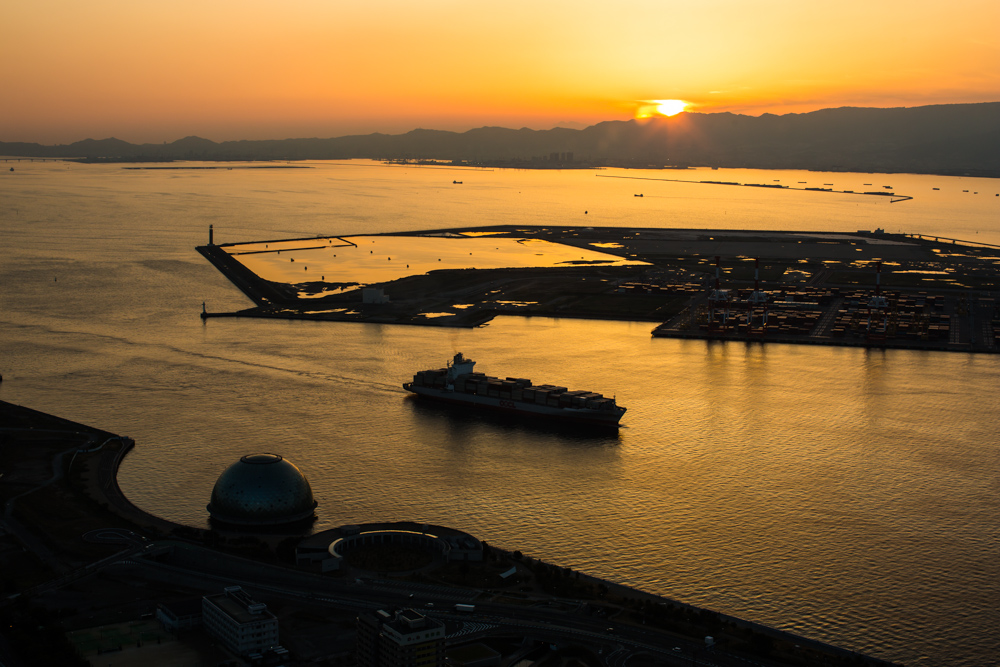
x: 585, y: 213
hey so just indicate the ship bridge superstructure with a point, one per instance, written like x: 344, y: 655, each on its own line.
x: 459, y: 366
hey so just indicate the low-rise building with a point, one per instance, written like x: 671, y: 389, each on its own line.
x: 404, y: 638
x: 242, y: 624
x: 180, y: 615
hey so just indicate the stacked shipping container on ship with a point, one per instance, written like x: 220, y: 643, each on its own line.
x: 458, y: 383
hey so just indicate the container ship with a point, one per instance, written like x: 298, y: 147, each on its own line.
x: 458, y: 384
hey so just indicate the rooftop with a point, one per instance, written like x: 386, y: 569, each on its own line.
x: 238, y: 605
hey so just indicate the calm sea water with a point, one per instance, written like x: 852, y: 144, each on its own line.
x: 847, y: 495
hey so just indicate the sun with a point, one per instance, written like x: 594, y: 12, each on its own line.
x: 652, y: 108
x: 670, y: 107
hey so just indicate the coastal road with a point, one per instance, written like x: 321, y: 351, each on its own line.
x: 615, y: 642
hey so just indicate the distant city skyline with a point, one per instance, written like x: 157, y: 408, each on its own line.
x: 155, y: 72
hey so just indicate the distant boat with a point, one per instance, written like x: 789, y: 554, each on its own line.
x: 457, y: 182
x: 639, y: 195
x: 935, y: 188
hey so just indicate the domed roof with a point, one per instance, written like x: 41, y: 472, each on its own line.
x: 261, y: 489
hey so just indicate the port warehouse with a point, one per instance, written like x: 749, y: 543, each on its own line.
x: 514, y: 389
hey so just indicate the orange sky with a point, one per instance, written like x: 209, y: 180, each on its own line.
x: 158, y: 70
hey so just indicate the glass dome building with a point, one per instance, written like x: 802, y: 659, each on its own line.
x: 261, y: 490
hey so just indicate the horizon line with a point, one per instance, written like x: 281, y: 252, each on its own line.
x: 565, y: 125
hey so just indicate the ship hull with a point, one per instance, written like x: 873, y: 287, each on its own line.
x: 577, y: 415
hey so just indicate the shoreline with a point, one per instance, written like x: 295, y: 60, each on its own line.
x: 486, y: 165
x: 148, y: 538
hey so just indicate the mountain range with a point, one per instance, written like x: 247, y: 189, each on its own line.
x: 940, y: 139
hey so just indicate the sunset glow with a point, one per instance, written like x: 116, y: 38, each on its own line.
x: 670, y: 107
x: 650, y: 108
x: 153, y: 72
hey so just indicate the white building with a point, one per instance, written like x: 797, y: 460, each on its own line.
x: 242, y: 624
x: 402, y: 638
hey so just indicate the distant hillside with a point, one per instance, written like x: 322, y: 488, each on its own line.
x: 941, y: 139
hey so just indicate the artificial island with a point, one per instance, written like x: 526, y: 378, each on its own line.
x: 867, y: 288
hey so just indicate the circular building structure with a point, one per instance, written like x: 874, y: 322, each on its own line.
x: 261, y: 490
